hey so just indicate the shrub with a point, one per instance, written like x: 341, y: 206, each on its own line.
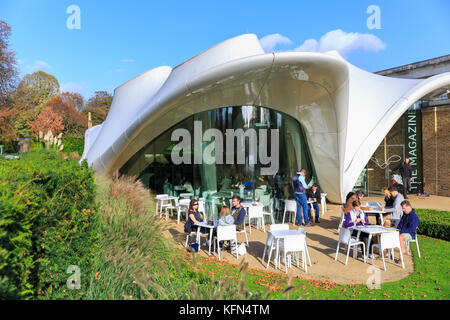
x: 10, y: 147
x: 48, y: 221
x: 73, y: 144
x: 434, y: 223
x: 135, y: 260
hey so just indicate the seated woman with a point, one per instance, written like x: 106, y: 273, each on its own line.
x: 351, y: 197
x: 356, y: 217
x: 348, y: 205
x: 194, y: 217
x: 388, y: 199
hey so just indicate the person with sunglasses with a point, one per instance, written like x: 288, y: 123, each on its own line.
x: 194, y: 217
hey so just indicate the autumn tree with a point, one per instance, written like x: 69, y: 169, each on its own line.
x: 8, y: 66
x: 7, y: 132
x: 48, y: 120
x: 75, y: 124
x: 8, y: 82
x: 33, y: 92
x: 98, y: 105
x: 74, y: 99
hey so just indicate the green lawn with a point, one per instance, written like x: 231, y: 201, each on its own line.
x: 428, y: 282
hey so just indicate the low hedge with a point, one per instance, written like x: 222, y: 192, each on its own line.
x: 48, y: 221
x: 73, y: 144
x: 434, y: 223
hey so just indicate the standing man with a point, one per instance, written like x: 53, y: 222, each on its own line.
x: 299, y: 185
x: 405, y: 171
x: 313, y: 194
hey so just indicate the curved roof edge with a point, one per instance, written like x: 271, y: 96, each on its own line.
x: 237, y: 72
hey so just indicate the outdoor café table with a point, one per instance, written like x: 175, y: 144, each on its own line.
x: 370, y: 230
x: 380, y: 214
x: 282, y: 234
x: 205, y: 224
x: 248, y: 204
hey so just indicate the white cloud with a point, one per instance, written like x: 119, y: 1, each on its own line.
x: 270, y: 41
x: 73, y: 86
x: 120, y: 70
x: 128, y: 60
x: 40, y: 65
x: 343, y: 42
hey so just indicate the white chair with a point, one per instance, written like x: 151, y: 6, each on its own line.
x: 294, y: 244
x: 345, y: 238
x: 197, y: 238
x: 389, y: 240
x: 417, y: 245
x: 194, y: 233
x: 159, y: 199
x: 269, y: 241
x: 312, y: 211
x: 258, y: 194
x: 183, y: 206
x: 171, y: 207
x: 256, y: 212
x: 226, y: 233
x: 306, y: 246
x: 291, y: 207
x: 341, y: 222
x: 268, y: 211
x: 187, y: 195
x: 211, y: 208
x: 323, y: 202
x: 244, y: 232
x: 201, y: 208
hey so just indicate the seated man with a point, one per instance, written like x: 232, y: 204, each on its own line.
x: 396, y: 208
x: 408, y: 224
x: 313, y: 194
x: 238, y: 213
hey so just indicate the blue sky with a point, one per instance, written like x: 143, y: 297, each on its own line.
x: 119, y: 40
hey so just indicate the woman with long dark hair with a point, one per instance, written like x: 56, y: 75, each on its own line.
x: 194, y: 217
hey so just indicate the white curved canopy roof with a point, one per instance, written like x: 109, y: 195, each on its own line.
x: 345, y: 111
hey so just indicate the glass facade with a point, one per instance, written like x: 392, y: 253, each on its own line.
x: 216, y: 182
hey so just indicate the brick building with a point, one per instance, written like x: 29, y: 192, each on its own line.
x: 422, y: 134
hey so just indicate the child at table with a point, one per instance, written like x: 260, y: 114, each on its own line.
x: 226, y: 218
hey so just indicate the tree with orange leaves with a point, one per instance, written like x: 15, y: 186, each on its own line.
x: 48, y: 120
x: 75, y: 124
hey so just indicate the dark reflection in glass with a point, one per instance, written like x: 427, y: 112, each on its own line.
x: 217, y: 183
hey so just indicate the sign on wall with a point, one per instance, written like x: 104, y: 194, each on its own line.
x: 413, y: 146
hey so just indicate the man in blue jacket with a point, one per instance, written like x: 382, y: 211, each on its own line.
x: 299, y: 185
x: 408, y: 224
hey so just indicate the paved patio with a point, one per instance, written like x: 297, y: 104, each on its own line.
x: 322, y: 242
